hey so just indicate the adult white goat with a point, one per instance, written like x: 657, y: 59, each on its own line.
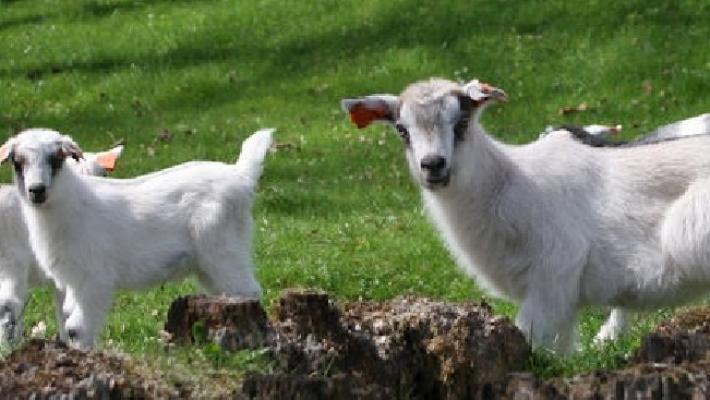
x: 554, y: 225
x: 95, y: 235
x: 19, y: 271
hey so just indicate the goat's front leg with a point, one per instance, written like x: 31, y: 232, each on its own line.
x: 614, y: 326
x: 88, y: 306
x: 63, y: 306
x: 13, y: 296
x: 547, y: 315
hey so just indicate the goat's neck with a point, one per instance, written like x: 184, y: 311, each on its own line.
x: 469, y: 211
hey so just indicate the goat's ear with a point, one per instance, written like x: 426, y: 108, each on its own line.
x: 376, y: 108
x: 481, y: 92
x: 107, y: 159
x: 71, y: 149
x: 6, y: 150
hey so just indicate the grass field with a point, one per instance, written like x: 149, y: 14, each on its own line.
x: 336, y: 209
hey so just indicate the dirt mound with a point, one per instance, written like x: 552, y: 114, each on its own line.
x: 643, y: 381
x: 418, y: 348
x: 683, y: 338
x: 233, y: 323
x: 403, y: 348
x: 45, y: 369
x: 673, y: 362
x: 407, y: 347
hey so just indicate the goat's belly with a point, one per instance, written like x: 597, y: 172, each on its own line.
x: 645, y: 280
x: 36, y: 276
x: 154, y: 272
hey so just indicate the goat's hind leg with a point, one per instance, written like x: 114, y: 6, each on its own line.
x: 229, y: 271
x: 615, y: 325
x: 13, y: 296
x: 223, y: 245
x: 231, y: 276
x: 685, y: 240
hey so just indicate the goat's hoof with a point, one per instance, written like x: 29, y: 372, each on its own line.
x: 7, y: 336
x: 8, y: 325
x: 73, y: 335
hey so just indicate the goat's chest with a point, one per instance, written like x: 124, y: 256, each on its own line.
x: 496, y: 261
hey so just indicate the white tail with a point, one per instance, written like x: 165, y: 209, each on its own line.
x: 254, y: 148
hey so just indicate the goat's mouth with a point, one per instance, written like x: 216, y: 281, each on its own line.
x: 433, y: 182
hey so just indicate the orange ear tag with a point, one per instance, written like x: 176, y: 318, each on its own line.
x: 4, y: 152
x: 107, y: 160
x: 363, y: 116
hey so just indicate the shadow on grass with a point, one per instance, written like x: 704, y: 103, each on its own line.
x: 298, y: 55
x: 21, y: 21
x: 103, y: 8
x: 419, y: 27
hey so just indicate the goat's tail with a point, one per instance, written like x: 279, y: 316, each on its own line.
x: 251, y: 159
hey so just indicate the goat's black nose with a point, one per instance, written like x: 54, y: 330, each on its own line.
x: 433, y: 163
x: 37, y: 190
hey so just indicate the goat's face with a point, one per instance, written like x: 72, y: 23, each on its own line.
x: 38, y: 156
x: 427, y: 131
x: 432, y: 118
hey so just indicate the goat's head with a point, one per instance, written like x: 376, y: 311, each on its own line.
x: 38, y: 156
x: 431, y: 117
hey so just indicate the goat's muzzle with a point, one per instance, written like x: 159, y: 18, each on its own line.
x: 435, y: 171
x: 37, y: 193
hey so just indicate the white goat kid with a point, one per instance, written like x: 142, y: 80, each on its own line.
x: 95, y: 235
x: 19, y: 271
x: 554, y: 225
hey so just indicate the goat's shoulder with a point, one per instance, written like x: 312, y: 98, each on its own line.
x: 556, y: 157
x: 8, y: 196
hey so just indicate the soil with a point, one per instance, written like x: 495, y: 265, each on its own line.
x: 407, y: 347
x: 50, y: 370
x: 681, y: 339
x: 404, y: 348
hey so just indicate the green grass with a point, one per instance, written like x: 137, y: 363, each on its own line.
x: 336, y: 209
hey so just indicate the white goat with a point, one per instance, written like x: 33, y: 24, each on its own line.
x: 95, y: 235
x: 19, y: 271
x: 554, y: 225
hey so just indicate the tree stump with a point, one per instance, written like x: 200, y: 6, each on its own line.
x: 232, y: 323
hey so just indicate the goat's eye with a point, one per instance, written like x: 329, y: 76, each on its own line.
x: 460, y: 127
x: 17, y: 162
x: 55, y: 161
x: 403, y: 132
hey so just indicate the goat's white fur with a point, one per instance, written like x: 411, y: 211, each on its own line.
x: 19, y: 271
x: 95, y: 235
x: 556, y: 225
